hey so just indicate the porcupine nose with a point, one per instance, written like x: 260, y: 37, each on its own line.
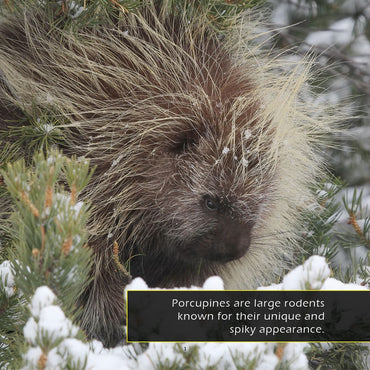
x: 232, y: 240
x: 232, y: 237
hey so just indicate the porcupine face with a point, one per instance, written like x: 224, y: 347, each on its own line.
x: 210, y: 187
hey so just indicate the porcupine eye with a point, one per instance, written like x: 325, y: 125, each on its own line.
x: 210, y: 203
x: 184, y: 144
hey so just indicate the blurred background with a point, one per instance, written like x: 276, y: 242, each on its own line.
x: 339, y: 32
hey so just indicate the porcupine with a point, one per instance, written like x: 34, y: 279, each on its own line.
x: 202, y: 144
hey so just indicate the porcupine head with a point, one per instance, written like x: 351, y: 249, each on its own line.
x: 202, y: 143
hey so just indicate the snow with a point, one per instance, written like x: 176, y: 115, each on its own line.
x: 137, y: 284
x: 247, y: 134
x: 7, y: 278
x: 32, y: 357
x: 353, y: 6
x: 333, y: 284
x: 53, y: 157
x: 76, y: 9
x: 69, y: 211
x: 46, y: 128
x: 213, y: 283
x: 268, y: 361
x: 117, y: 160
x: 48, y: 323
x: 225, y: 150
x: 295, y: 357
x: 71, y: 347
x: 310, y: 275
x: 284, y: 11
x: 159, y: 352
x: 314, y: 274
x: 30, y: 331
x: 212, y: 354
x: 53, y: 322
x: 245, y: 162
x: 361, y: 134
x: 42, y: 298
x: 281, y: 15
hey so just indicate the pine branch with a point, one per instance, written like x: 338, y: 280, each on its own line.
x: 320, y: 219
x: 49, y: 236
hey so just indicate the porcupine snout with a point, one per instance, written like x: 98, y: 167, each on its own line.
x: 228, y: 237
x: 231, y: 237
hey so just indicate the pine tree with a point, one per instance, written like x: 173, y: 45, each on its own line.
x: 48, y: 234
